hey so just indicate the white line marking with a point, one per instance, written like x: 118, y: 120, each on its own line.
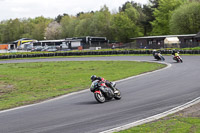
x: 155, y: 117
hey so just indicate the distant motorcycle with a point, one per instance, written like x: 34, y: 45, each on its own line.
x: 178, y: 59
x: 103, y: 93
x: 158, y: 56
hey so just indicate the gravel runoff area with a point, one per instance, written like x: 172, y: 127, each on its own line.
x: 192, y: 111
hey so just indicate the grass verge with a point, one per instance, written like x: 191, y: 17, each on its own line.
x: 176, y: 124
x: 26, y: 83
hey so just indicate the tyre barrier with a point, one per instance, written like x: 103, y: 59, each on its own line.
x: 94, y: 53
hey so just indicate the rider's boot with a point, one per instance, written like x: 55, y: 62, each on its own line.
x: 114, y: 90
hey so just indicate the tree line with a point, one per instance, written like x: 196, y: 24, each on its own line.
x: 159, y: 17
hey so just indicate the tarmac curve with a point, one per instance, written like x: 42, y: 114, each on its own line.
x: 142, y: 97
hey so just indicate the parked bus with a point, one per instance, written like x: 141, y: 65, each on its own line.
x: 23, y: 43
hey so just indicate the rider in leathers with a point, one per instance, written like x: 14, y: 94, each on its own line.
x: 175, y: 53
x: 108, y: 83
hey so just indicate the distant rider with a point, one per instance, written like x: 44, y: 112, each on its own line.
x: 108, y: 83
x: 155, y: 53
x: 175, y: 53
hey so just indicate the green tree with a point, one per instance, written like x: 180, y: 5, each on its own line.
x: 39, y: 26
x: 11, y: 30
x: 131, y: 12
x: 59, y: 17
x: 154, y: 4
x: 16, y: 29
x: 147, y: 18
x: 163, y: 15
x: 68, y: 24
x: 186, y: 19
x: 194, y: 0
x: 1, y: 29
x: 136, y: 13
x: 27, y: 28
x: 4, y: 32
x: 123, y: 28
x: 64, y: 22
x: 100, y: 23
x: 83, y: 22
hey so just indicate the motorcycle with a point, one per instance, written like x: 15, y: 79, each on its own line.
x: 158, y: 56
x: 103, y: 93
x: 178, y: 59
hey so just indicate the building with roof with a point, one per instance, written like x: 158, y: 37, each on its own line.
x: 92, y: 41
x: 67, y: 43
x: 168, y: 41
x: 75, y: 42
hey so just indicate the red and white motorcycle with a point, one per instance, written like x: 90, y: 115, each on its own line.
x: 103, y: 92
x: 178, y: 59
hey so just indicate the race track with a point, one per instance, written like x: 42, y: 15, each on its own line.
x: 142, y: 97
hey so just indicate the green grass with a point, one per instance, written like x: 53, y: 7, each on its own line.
x: 26, y: 83
x: 173, y: 125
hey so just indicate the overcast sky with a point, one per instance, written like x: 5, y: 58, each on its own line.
x: 52, y: 8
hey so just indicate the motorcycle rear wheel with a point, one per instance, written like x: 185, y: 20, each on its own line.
x: 99, y: 97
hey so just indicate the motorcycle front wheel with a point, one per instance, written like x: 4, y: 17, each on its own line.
x: 162, y: 58
x: 99, y: 97
x: 118, y: 95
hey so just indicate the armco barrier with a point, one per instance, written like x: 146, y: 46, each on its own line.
x: 94, y: 53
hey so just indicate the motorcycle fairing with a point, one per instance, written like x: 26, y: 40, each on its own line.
x: 107, y: 91
x: 98, y: 91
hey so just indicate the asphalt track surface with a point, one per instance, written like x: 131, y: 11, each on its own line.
x: 142, y: 97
